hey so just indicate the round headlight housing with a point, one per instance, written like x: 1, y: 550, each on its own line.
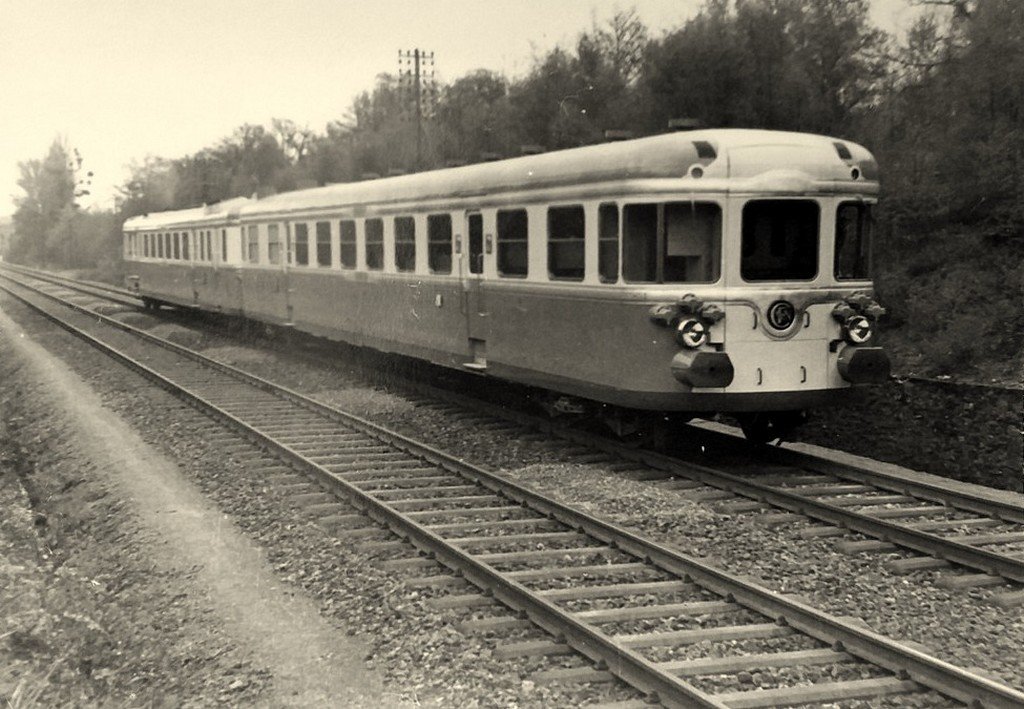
x: 858, y: 329
x: 692, y: 333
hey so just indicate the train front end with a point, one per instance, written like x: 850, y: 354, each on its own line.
x: 794, y: 324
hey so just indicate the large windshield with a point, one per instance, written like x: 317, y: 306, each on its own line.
x: 780, y: 240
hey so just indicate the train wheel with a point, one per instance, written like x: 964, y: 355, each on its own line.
x: 764, y: 427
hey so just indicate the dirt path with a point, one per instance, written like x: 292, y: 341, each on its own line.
x: 311, y: 662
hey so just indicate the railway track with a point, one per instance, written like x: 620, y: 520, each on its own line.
x: 120, y: 296
x: 977, y: 537
x: 627, y: 605
x: 980, y: 539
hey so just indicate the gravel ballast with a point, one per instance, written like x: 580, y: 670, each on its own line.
x: 418, y: 649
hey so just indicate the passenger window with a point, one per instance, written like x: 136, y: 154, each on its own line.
x: 375, y: 244
x: 273, y: 243
x: 512, y: 242
x: 209, y: 246
x: 176, y: 246
x: 853, y: 241
x: 323, y: 243
x: 608, y: 243
x: 348, y: 243
x: 675, y: 242
x: 566, y: 243
x: 301, y: 245
x: 476, y: 243
x: 439, y: 243
x: 186, y: 241
x: 780, y: 240
x: 405, y: 244
x: 252, y: 248
x: 224, y: 245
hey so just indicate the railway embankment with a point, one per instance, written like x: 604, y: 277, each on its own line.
x: 969, y: 432
x: 120, y: 585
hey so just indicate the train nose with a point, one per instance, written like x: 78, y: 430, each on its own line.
x: 864, y: 365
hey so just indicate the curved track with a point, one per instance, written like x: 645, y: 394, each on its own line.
x: 541, y: 559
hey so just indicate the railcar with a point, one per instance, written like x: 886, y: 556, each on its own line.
x: 692, y: 272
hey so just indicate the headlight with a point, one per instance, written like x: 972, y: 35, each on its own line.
x: 692, y: 333
x: 857, y: 330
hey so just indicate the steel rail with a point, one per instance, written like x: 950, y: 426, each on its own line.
x: 923, y: 542
x: 1003, y: 510
x: 932, y: 545
x: 907, y: 662
x: 95, y: 288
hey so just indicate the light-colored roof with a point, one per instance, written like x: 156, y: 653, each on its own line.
x: 755, y: 158
x: 195, y: 216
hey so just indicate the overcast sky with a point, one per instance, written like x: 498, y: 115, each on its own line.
x: 120, y: 80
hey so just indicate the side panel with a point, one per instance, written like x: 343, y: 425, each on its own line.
x: 264, y: 294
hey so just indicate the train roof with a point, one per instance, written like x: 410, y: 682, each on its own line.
x: 207, y: 214
x: 758, y: 158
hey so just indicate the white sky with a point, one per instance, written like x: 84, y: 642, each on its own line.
x: 123, y: 79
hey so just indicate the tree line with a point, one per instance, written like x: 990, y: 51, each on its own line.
x: 942, y: 110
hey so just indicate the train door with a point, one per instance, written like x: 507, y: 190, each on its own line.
x: 232, y: 255
x: 284, y: 280
x: 474, y: 298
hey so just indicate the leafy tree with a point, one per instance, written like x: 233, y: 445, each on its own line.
x: 473, y: 117
x: 44, y: 217
x: 842, y: 60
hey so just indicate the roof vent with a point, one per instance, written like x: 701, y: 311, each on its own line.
x: 489, y: 157
x: 684, y: 124
x: 616, y: 135
x: 531, y: 149
x: 396, y: 172
x: 843, y: 151
x: 369, y: 176
x: 455, y: 163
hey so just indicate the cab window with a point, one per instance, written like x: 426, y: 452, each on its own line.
x: 672, y: 242
x: 853, y: 242
x: 780, y: 240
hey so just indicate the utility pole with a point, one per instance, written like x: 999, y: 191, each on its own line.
x: 416, y: 79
